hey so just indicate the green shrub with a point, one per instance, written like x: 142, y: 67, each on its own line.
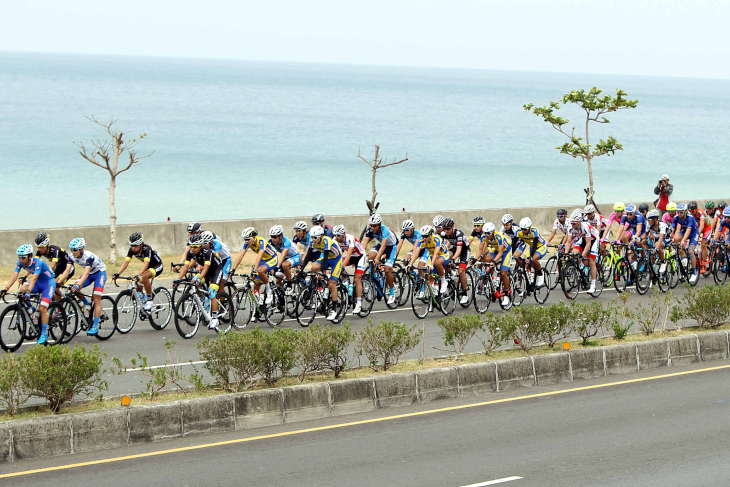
x: 558, y: 320
x: 709, y: 306
x: 621, y: 316
x: 58, y: 374
x: 492, y: 334
x: 386, y: 342
x: 231, y: 360
x: 275, y: 353
x: 160, y: 377
x: 459, y: 330
x: 590, y: 318
x: 649, y: 316
x: 336, y: 341
x: 527, y: 326
x: 13, y: 392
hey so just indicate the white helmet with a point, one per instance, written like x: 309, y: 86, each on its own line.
x: 489, y: 227
x: 507, y: 219
x: 276, y: 230
x: 438, y: 221
x: 427, y: 231
x: 248, y: 233
x: 207, y: 236
x: 589, y: 209
x: 300, y: 225
x: 653, y: 214
x: 575, y: 217
x: 316, y: 231
x: 339, y: 230
x: 408, y: 225
x: 526, y: 223
x: 375, y: 219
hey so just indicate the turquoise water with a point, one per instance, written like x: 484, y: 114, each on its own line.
x: 235, y: 139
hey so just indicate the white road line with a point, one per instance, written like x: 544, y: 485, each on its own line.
x: 170, y: 365
x: 494, y: 482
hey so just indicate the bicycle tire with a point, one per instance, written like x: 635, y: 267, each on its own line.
x: 508, y: 306
x: 183, y: 314
x: 421, y: 296
x: 719, y: 267
x: 570, y: 281
x: 368, y: 297
x: 108, y: 319
x: 406, y: 284
x: 128, y: 310
x: 620, y: 275
x: 552, y: 269
x: 72, y: 319
x: 341, y: 303
x: 57, y: 324
x: 469, y: 290
x: 483, y: 293
x: 224, y: 313
x: 291, y: 302
x: 642, y: 276
x: 519, y: 287
x: 542, y: 293
x: 673, y: 271
x: 12, y: 328
x: 397, y: 290
x: 308, y: 304
x: 277, y: 309
x: 161, y: 309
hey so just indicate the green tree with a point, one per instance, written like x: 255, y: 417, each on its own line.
x: 595, y: 106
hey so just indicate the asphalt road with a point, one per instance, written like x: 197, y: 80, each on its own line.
x: 150, y: 343
x: 670, y: 430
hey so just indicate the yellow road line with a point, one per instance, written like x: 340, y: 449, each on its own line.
x: 356, y: 423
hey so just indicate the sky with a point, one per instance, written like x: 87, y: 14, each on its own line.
x: 639, y: 37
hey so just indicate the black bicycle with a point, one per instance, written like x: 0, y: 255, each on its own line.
x: 525, y: 283
x: 315, y: 298
x: 20, y: 321
x: 81, y: 317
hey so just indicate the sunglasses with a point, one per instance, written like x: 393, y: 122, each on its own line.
x: 478, y: 225
x: 196, y: 246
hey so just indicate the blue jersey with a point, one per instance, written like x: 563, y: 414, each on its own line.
x: 291, y: 249
x: 37, y: 267
x: 632, y: 224
x: 687, y: 222
x: 384, y: 236
x: 723, y: 226
x: 221, y: 249
x: 413, y: 238
x: 306, y: 241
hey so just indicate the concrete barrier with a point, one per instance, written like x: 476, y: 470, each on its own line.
x: 113, y: 428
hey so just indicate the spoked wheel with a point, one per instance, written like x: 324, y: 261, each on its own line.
x: 620, y: 275
x: 673, y: 272
x: 421, y: 296
x: 243, y: 307
x: 406, y: 284
x: 127, y: 309
x: 12, y: 328
x: 72, y: 319
x: 510, y: 297
x: 308, y: 304
x: 605, y: 271
x: 187, y: 316
x: 398, y: 290
x: 719, y: 267
x: 551, y: 269
x: 57, y: 324
x: 483, y: 292
x: 570, y: 281
x: 447, y: 300
x: 277, y: 309
x: 225, y: 313
x: 643, y: 276
x: 469, y: 293
x: 108, y: 319
x: 368, y: 297
x: 541, y: 293
x: 519, y: 288
x: 161, y: 312
x: 342, y: 299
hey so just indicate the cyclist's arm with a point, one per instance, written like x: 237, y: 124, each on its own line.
x: 30, y: 282
x: 587, y: 250
x: 83, y: 276
x: 184, y: 269
x: 259, y: 256
x: 184, y: 254
x: 348, y: 255
x: 639, y: 227
x: 123, y: 267
x: 380, y: 252
x: 145, y: 263
x: 12, y: 280
x: 686, y: 234
x: 397, y: 249
x: 62, y: 278
x: 500, y: 252
x: 204, y: 271
x: 552, y: 236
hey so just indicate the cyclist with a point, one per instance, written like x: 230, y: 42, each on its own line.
x: 266, y: 259
x: 224, y: 253
x: 584, y: 240
x: 686, y: 232
x: 510, y: 230
x: 458, y: 252
x: 433, y: 244
x: 668, y: 217
x: 41, y: 281
x: 330, y: 257
x: 643, y: 209
x: 615, y: 216
x: 718, y: 215
x: 560, y: 224
x: 301, y: 235
x: 723, y: 226
x: 60, y: 263
x: 354, y: 255
x: 535, y: 248
x: 94, y: 272
x: 497, y: 248
x: 704, y: 227
x: 151, y: 266
x: 411, y: 235
x: 633, y: 225
x: 657, y: 235
x: 318, y: 220
x: 194, y: 228
x: 477, y: 232
x: 387, y: 246
x: 212, y: 269
x: 288, y: 253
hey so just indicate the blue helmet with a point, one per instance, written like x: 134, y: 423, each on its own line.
x: 726, y: 211
x: 630, y: 208
x: 77, y: 243
x: 681, y: 206
x: 25, y: 249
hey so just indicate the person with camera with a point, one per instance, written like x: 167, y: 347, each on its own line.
x: 664, y: 191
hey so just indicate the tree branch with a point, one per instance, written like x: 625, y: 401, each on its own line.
x: 394, y: 162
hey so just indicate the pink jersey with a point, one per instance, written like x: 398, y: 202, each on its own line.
x: 667, y: 218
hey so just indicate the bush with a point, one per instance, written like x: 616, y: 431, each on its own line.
x: 648, y: 317
x: 336, y: 345
x: 58, y: 374
x: 275, y: 353
x: 230, y: 359
x: 13, y: 392
x: 558, y: 320
x: 590, y: 318
x: 160, y: 377
x: 621, y: 316
x: 493, y: 327
x: 386, y: 342
x: 527, y: 326
x: 709, y: 306
x: 458, y: 330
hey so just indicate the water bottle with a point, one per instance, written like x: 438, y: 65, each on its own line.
x: 206, y: 304
x: 140, y: 295
x: 684, y: 261
x: 349, y: 289
x: 87, y: 310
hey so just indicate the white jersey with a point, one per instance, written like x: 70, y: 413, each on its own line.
x: 583, y: 231
x: 352, y: 241
x: 599, y: 222
x: 88, y: 259
x: 662, y: 229
x: 563, y: 227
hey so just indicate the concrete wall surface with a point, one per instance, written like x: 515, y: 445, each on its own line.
x: 114, y: 428
x: 169, y: 238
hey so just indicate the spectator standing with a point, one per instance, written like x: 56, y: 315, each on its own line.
x: 664, y: 191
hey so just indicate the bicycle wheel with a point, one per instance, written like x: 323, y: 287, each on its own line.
x: 72, y: 319
x: 541, y: 293
x: 368, y: 297
x: 57, y: 324
x: 511, y: 294
x: 406, y: 283
x: 308, y: 304
x: 483, y: 292
x: 551, y: 268
x: 447, y: 300
x: 642, y: 274
x: 604, y: 271
x: 620, y: 275
x: 185, y: 313
x: 128, y: 309
x: 161, y: 312
x: 292, y: 291
x: 12, y: 328
x: 570, y: 281
x: 277, y: 309
x: 519, y: 288
x: 341, y: 303
x: 108, y: 319
x: 719, y: 267
x: 673, y: 271
x: 421, y: 295
x: 242, y: 309
x: 398, y: 289
x: 469, y: 290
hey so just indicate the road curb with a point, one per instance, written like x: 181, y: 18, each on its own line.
x: 67, y: 434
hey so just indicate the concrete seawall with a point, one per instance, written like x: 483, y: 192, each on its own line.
x: 169, y: 238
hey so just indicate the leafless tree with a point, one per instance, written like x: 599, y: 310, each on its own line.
x: 377, y: 164
x: 106, y: 154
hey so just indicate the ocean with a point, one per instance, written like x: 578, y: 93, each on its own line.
x: 239, y: 139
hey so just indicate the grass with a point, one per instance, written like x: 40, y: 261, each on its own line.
x: 359, y: 372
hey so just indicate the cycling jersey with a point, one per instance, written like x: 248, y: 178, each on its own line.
x: 456, y: 239
x: 475, y: 234
x: 291, y: 249
x: 146, y: 254
x: 667, y: 218
x: 499, y: 239
x: 58, y: 255
x: 37, y: 267
x: 435, y: 246
x: 599, y: 222
x: 700, y: 215
x: 352, y: 241
x: 415, y: 237
x: 222, y: 249
x: 655, y: 233
x: 257, y: 243
x: 563, y: 227
x: 306, y: 241
x: 683, y: 224
x: 723, y: 226
x: 328, y: 248
x: 328, y: 231
x: 208, y: 257
x: 584, y: 230
x: 633, y: 224
x: 385, y: 235
x: 531, y: 237
x: 88, y: 259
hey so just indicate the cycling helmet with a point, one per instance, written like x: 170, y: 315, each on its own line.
x: 408, y: 225
x: 478, y: 220
x: 562, y: 212
x: 721, y: 205
x: 681, y: 207
x: 195, y: 240
x: 317, y: 218
x: 300, y: 225
x: 25, y: 249
x: 339, y: 230
x: 589, y: 209
x: 489, y: 227
x: 578, y: 212
x: 316, y: 232
x: 525, y: 223
x: 619, y: 206
x: 427, y: 230
x: 448, y: 222
x: 643, y: 207
x: 709, y: 205
x: 42, y: 240
x: 507, y: 219
x: 194, y: 227
x: 77, y: 243
x: 438, y: 221
x: 630, y: 208
x: 671, y: 206
x: 375, y: 219
x: 726, y: 212
x: 276, y: 230
x: 136, y: 239
x: 248, y: 233
x: 207, y: 236
x: 653, y: 214
x: 692, y: 206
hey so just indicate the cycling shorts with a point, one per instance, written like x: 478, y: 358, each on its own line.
x: 580, y: 246
x: 46, y: 288
x: 156, y: 271
x: 520, y: 247
x: 389, y: 253
x: 506, y: 259
x: 270, y: 263
x: 423, y: 255
x: 463, y: 258
x: 296, y: 260
x: 214, y: 277
x: 541, y: 251
x: 99, y: 280
x: 226, y: 267
x: 707, y: 232
x: 335, y: 264
x: 358, y: 263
